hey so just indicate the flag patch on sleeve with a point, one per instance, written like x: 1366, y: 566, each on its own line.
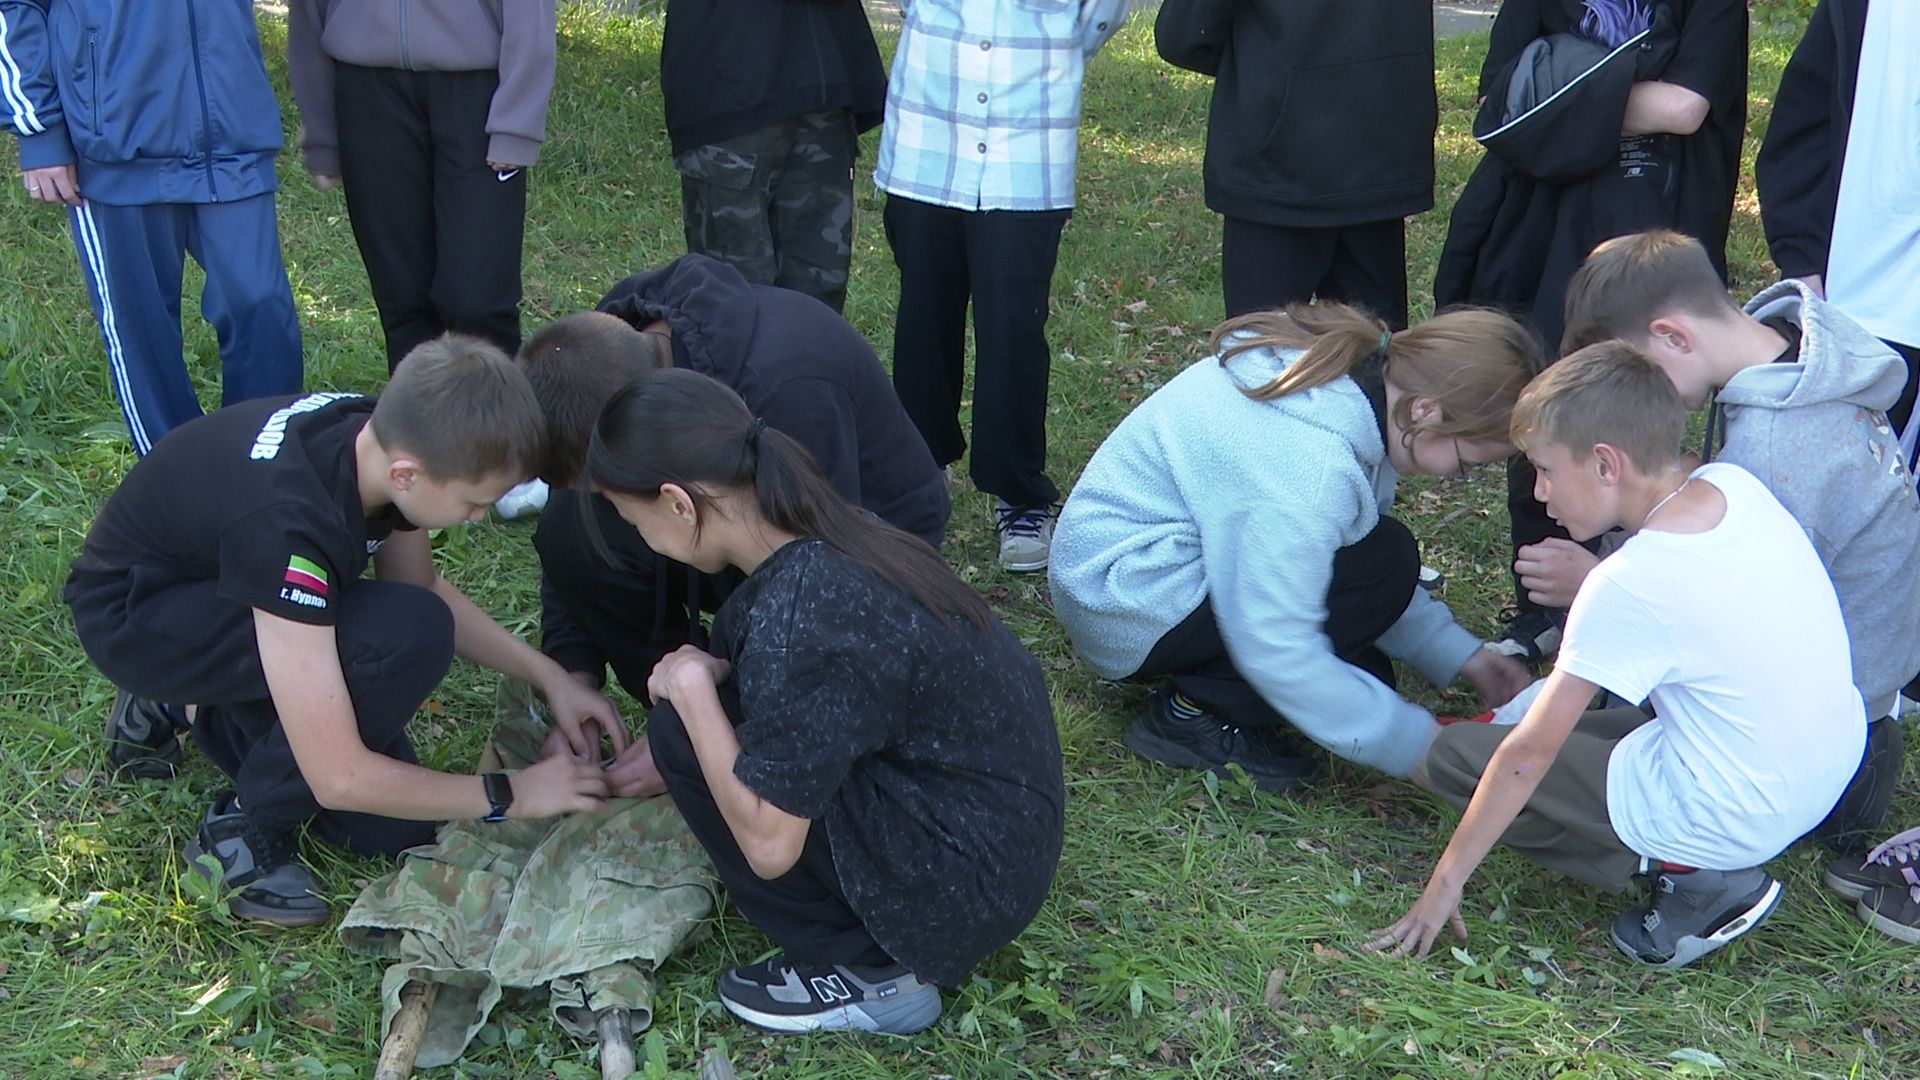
x: 306, y: 574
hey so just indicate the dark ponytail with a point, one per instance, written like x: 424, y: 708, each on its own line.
x: 677, y: 426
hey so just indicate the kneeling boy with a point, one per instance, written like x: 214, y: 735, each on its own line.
x: 1757, y: 729
x: 226, y: 572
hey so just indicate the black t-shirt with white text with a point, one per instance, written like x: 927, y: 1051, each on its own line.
x: 262, y: 498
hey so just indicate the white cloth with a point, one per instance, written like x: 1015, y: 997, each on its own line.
x: 1873, y: 265
x: 1736, y: 636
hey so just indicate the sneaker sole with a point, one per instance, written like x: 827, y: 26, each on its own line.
x: 1691, y: 948
x: 1030, y: 566
x: 1154, y: 748
x: 246, y: 909
x: 1889, y: 927
x: 914, y: 1013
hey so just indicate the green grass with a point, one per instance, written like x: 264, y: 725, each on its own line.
x: 1195, y: 929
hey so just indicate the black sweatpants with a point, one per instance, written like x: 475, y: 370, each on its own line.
x: 1373, y: 581
x: 1270, y: 266
x: 804, y: 911
x: 438, y: 228
x: 185, y: 643
x: 1003, y: 261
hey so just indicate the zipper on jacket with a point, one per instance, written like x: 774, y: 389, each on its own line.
x: 406, y: 46
x: 206, y: 111
x: 93, y: 75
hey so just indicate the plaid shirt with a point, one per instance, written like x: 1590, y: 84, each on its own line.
x: 983, y: 109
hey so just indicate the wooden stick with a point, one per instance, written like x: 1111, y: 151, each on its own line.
x: 409, y: 1027
x: 616, y: 1043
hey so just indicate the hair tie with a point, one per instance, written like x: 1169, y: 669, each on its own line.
x: 753, y: 432
x: 1386, y: 339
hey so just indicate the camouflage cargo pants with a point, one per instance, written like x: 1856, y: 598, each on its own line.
x: 777, y: 203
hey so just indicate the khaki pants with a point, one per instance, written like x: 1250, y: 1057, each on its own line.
x: 1564, y: 826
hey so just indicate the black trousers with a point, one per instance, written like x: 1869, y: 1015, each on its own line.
x: 1373, y: 581
x: 1270, y: 266
x: 804, y: 911
x: 1003, y: 261
x: 438, y: 228
x: 1902, y: 410
x: 185, y: 643
x: 626, y: 614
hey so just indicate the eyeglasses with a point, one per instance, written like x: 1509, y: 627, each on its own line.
x: 1461, y: 468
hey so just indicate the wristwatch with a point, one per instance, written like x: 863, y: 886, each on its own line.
x: 499, y: 796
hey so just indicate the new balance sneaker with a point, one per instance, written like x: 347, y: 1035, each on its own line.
x: 262, y: 863
x: 1893, y: 865
x: 142, y: 738
x: 523, y: 499
x: 779, y: 995
x: 1532, y: 637
x: 1694, y: 913
x: 1026, y: 536
x: 1174, y: 733
x: 1893, y: 910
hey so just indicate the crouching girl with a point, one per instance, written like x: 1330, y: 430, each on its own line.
x: 868, y: 755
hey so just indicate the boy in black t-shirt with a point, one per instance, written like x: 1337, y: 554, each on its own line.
x: 226, y: 573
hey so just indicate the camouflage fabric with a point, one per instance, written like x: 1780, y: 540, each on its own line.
x: 777, y: 203
x: 587, y: 905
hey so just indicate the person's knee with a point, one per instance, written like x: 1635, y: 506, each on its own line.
x: 400, y: 635
x: 1456, y: 758
x: 672, y: 747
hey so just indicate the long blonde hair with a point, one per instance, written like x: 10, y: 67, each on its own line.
x: 1473, y: 361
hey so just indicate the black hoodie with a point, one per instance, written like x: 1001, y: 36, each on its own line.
x: 800, y: 367
x: 1798, y: 168
x: 1323, y: 110
x: 728, y: 67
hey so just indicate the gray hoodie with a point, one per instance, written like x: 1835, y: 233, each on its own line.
x: 513, y: 37
x: 1816, y: 433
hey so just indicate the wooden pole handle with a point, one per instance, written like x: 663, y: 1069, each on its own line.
x: 616, y: 1043
x: 409, y: 1027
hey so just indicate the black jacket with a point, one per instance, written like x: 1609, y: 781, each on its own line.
x: 1529, y: 214
x: 1323, y: 110
x: 1798, y: 168
x: 728, y: 67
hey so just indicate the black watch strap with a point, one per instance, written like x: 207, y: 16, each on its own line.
x: 499, y: 796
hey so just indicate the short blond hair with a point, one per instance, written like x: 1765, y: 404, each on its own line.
x: 461, y: 407
x: 1607, y: 393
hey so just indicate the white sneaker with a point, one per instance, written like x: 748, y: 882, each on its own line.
x: 1026, y: 536
x: 525, y: 499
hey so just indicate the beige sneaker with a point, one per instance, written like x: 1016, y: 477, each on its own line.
x: 1026, y: 536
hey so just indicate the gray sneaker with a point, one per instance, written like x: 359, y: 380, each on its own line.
x: 142, y: 739
x: 1026, y: 536
x: 262, y: 863
x: 1695, y: 913
x: 779, y: 995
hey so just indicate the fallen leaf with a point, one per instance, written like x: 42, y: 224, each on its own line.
x: 318, y: 1021
x: 154, y: 1066
x: 1276, y: 995
x: 1325, y: 953
x: 76, y: 777
x: 1309, y: 846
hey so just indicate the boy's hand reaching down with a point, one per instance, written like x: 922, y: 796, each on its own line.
x: 1497, y: 676
x: 633, y: 774
x: 562, y: 784
x: 582, y: 714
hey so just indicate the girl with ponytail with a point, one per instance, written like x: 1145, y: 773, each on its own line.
x: 1231, y: 538
x: 868, y: 755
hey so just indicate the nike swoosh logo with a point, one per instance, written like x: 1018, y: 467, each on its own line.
x: 505, y: 176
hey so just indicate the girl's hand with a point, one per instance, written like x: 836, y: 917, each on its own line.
x: 684, y: 666
x: 1419, y: 928
x: 633, y: 774
x: 1497, y: 675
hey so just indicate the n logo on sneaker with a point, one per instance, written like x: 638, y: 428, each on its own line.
x: 829, y: 989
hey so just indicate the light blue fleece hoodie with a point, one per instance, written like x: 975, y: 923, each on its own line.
x: 1203, y: 492
x: 1816, y: 433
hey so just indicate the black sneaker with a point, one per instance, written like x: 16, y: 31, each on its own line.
x: 1894, y: 911
x: 1203, y: 742
x: 1856, y: 819
x: 262, y: 863
x: 779, y: 995
x: 1694, y: 913
x: 1533, y: 634
x: 1893, y: 865
x: 142, y: 738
